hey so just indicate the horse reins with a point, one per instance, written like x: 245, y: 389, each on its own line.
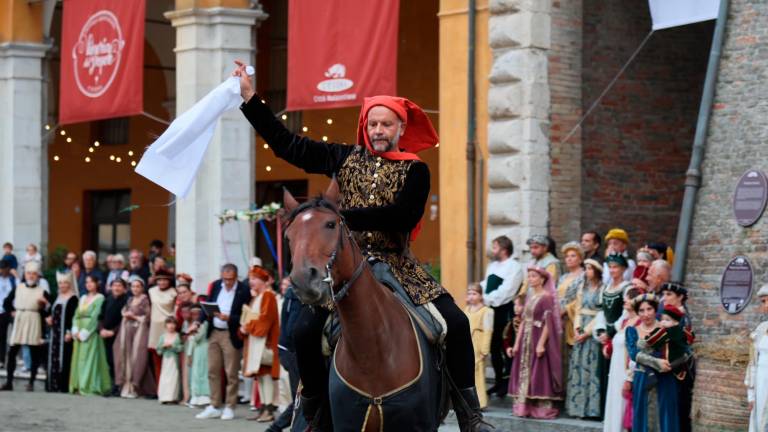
x: 347, y: 285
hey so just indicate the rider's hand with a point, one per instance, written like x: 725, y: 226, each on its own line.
x: 246, y: 86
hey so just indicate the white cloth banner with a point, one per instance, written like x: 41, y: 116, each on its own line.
x: 173, y: 160
x: 673, y: 13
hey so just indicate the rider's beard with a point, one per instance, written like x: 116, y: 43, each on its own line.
x: 382, y: 144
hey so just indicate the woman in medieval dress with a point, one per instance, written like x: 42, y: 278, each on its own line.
x: 536, y: 382
x: 583, y: 394
x: 90, y: 371
x: 133, y: 376
x: 60, y: 322
x: 757, y: 371
x: 618, y: 404
x: 654, y: 387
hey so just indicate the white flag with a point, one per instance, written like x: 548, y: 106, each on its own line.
x: 173, y: 160
x: 673, y: 13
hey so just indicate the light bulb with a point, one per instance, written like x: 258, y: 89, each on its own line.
x: 96, y: 144
x: 112, y: 157
x: 266, y: 146
x: 130, y: 152
x: 269, y: 168
x: 69, y: 139
x: 63, y: 132
x: 329, y: 121
x: 56, y: 158
x: 87, y: 159
x: 325, y: 138
x: 305, y: 129
x: 90, y: 149
x: 133, y: 163
x: 118, y: 159
x: 284, y: 117
x: 47, y: 127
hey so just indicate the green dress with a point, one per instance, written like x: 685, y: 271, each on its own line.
x: 197, y: 348
x: 90, y: 372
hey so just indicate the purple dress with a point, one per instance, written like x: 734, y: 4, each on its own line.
x: 536, y: 382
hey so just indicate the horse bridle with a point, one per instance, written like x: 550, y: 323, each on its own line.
x: 347, y: 285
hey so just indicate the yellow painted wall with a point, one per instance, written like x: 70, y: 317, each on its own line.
x: 453, y: 127
x: 21, y: 21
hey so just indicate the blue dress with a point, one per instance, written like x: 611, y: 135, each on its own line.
x: 654, y: 394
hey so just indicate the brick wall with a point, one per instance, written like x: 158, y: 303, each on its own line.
x: 737, y: 141
x: 636, y: 144
x: 565, y: 95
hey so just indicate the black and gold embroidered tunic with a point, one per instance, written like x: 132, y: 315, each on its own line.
x: 382, y: 200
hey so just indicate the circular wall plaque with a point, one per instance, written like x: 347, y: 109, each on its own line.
x: 750, y: 197
x: 736, y: 285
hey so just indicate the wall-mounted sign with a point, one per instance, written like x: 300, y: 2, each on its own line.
x: 736, y: 285
x: 750, y: 197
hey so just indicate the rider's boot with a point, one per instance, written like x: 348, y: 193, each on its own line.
x: 317, y: 412
x: 467, y: 409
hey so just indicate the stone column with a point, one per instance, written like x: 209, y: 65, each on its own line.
x: 21, y: 148
x: 518, y: 130
x: 207, y: 43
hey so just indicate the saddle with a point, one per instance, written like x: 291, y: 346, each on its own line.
x: 426, y: 317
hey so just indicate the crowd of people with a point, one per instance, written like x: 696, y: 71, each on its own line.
x: 140, y: 330
x: 597, y: 334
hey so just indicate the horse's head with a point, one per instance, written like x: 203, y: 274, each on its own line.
x: 316, y: 236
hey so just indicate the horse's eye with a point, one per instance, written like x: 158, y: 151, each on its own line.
x: 330, y: 225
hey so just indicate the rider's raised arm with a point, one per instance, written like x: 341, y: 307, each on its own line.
x: 400, y: 216
x: 315, y: 157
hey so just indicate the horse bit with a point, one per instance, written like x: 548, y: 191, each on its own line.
x: 344, y: 291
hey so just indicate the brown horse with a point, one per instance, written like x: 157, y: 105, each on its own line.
x: 378, y: 351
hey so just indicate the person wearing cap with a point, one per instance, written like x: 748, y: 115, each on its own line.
x: 384, y: 187
x: 617, y: 242
x: 652, y: 375
x: 675, y: 295
x: 756, y: 378
x: 7, y: 285
x: 27, y: 303
x: 503, y: 278
x: 539, y: 245
x: 162, y: 298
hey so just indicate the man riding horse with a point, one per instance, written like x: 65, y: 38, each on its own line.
x: 384, y: 187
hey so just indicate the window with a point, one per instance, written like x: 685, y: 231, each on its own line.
x: 110, y: 226
x: 112, y: 131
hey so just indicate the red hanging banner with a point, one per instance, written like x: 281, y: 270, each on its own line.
x: 340, y: 51
x: 102, y: 60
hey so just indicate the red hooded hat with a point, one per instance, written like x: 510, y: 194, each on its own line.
x: 419, y: 133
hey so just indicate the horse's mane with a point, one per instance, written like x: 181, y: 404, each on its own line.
x: 316, y: 202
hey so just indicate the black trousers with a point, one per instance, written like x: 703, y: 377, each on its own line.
x: 502, y: 315
x: 5, y: 320
x: 109, y: 343
x: 288, y: 360
x: 460, y: 358
x: 37, y: 352
x: 684, y: 400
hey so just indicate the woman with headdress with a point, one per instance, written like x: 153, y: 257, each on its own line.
x: 60, y: 323
x: 260, y: 324
x: 654, y: 387
x: 583, y: 394
x: 162, y: 298
x: 756, y: 379
x: 133, y: 376
x: 536, y: 381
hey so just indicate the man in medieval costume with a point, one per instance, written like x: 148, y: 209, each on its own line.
x: 383, y: 187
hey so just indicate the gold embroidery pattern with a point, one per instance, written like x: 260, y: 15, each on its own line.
x: 365, y: 181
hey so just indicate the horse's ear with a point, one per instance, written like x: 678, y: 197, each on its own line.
x: 332, y: 193
x: 289, y: 201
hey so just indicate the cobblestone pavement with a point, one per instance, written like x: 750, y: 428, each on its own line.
x: 39, y: 412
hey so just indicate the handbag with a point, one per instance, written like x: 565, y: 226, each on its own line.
x: 266, y: 357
